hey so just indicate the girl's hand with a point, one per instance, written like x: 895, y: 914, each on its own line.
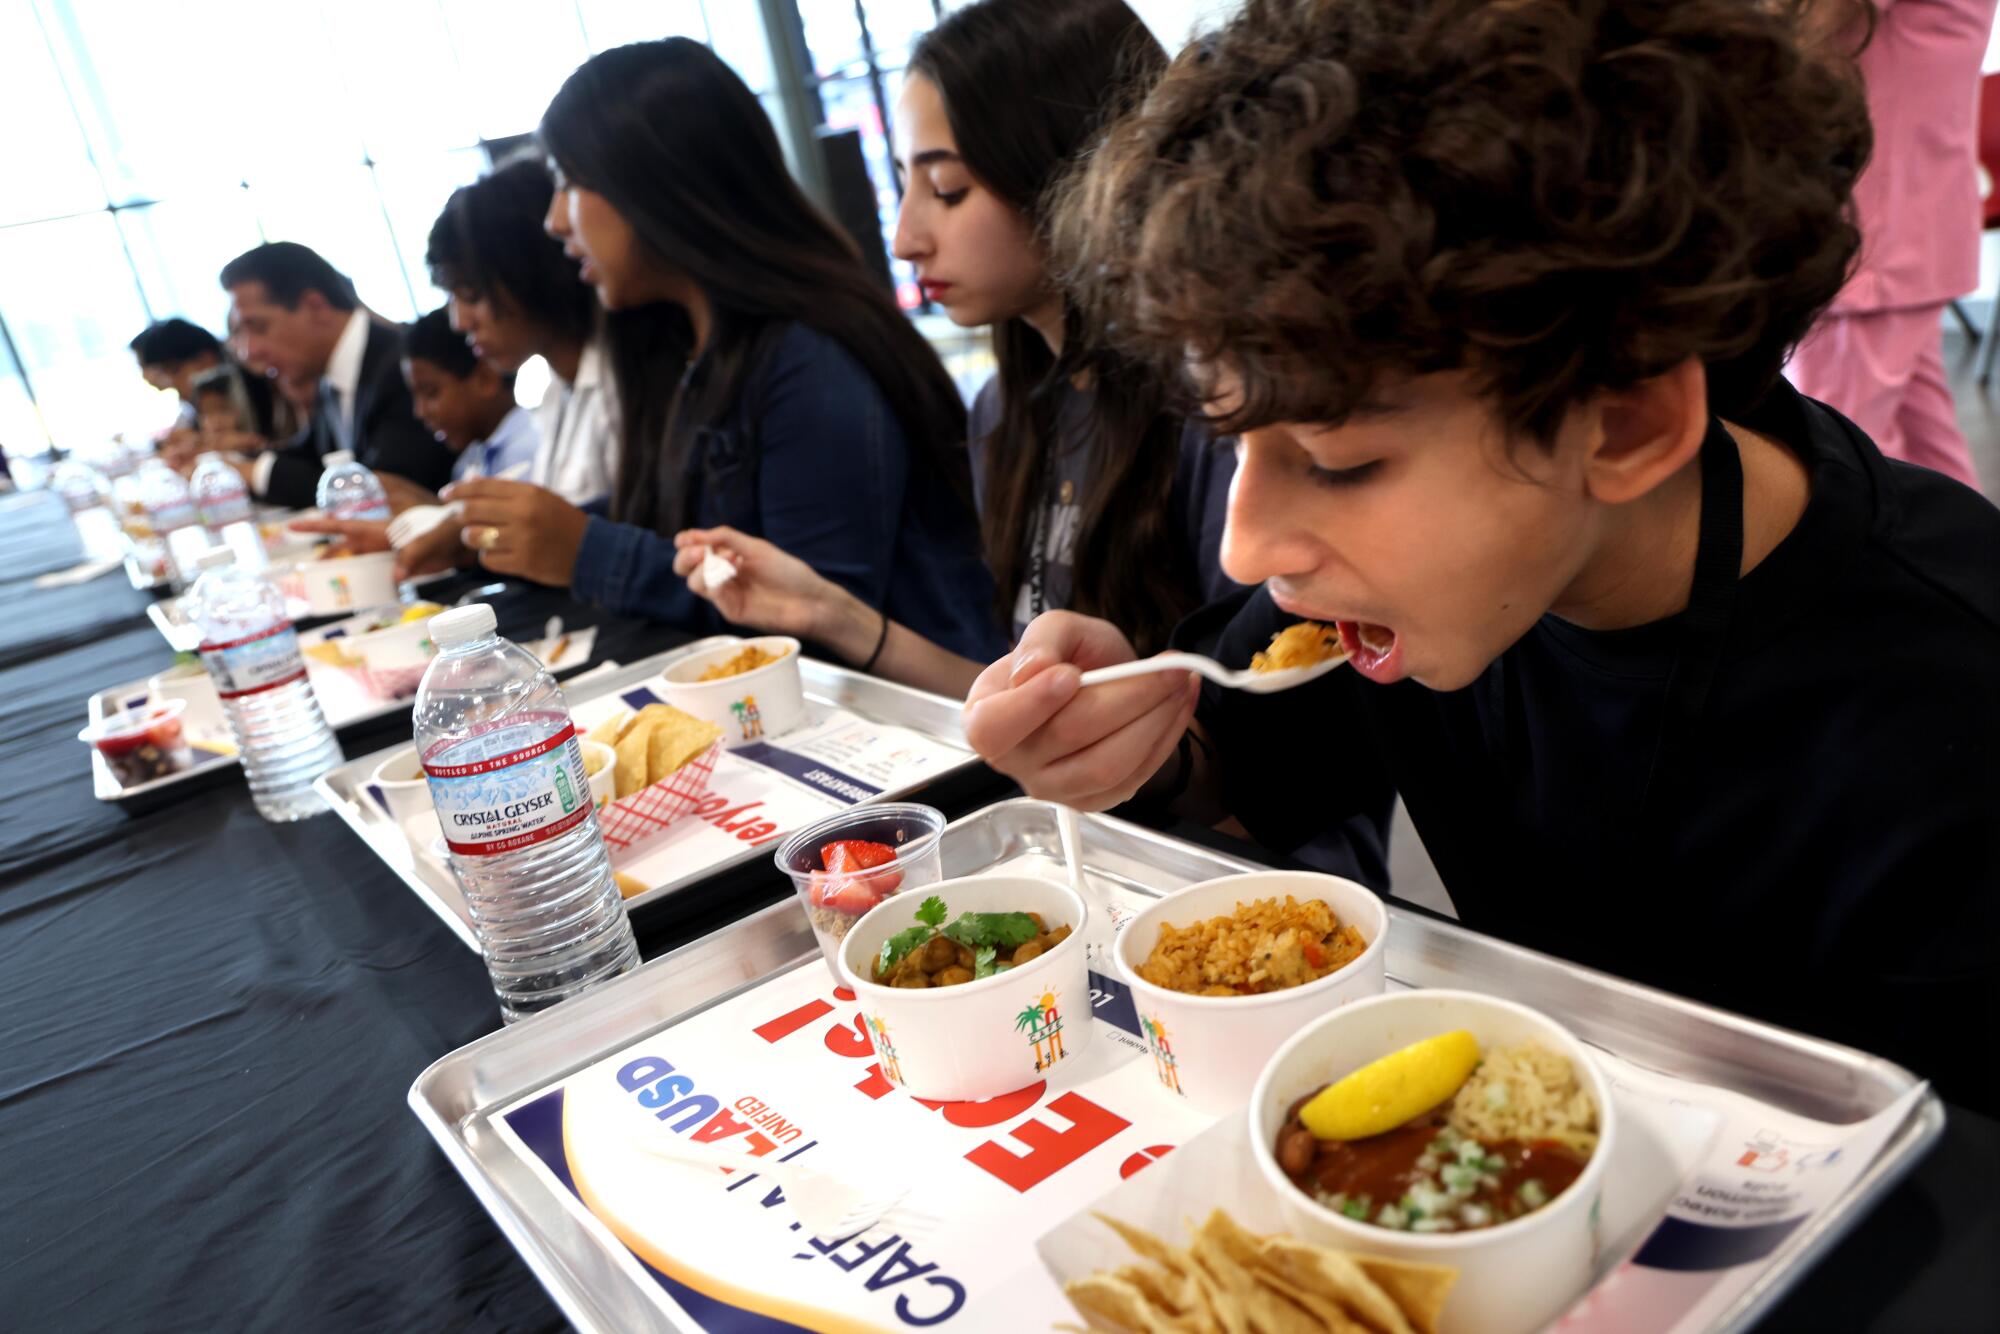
x: 518, y: 528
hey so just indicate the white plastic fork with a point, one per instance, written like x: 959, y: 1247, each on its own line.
x: 417, y: 520
x: 826, y: 1205
x: 1248, y: 680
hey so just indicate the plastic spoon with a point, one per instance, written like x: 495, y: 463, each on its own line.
x: 1250, y: 680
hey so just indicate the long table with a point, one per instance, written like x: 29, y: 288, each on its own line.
x: 208, y: 1024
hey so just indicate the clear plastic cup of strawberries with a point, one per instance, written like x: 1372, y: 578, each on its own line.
x: 846, y: 864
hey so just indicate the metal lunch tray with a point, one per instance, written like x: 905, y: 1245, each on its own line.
x: 825, y: 684
x: 208, y: 764
x: 458, y: 1097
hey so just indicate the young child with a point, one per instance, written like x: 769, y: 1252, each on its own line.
x: 467, y: 404
x: 1676, y: 674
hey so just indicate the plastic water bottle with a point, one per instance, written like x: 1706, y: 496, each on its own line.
x: 223, y: 501
x: 507, y: 777
x: 87, y: 493
x: 175, y: 522
x: 347, y: 490
x: 252, y: 654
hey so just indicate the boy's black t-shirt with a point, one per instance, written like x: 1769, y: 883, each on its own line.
x: 1826, y: 854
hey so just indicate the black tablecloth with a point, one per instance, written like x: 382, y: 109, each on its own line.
x: 208, y: 1025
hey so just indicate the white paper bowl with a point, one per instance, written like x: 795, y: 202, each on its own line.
x: 604, y: 778
x: 347, y: 583
x: 1210, y: 1049
x: 400, y: 780
x: 978, y: 1040
x: 752, y: 706
x: 190, y: 681
x: 1515, y: 1277
x: 395, y: 648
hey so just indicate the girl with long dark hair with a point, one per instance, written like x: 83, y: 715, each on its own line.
x: 1093, y: 494
x: 765, y: 380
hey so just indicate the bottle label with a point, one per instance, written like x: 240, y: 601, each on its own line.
x: 362, y: 507
x: 251, y: 666
x: 231, y: 507
x: 510, y: 786
x: 172, y: 516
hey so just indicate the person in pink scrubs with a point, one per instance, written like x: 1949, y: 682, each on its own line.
x: 1877, y: 353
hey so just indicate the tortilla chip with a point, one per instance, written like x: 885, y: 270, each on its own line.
x: 676, y: 738
x: 628, y: 885
x: 611, y: 729
x: 632, y: 751
x: 1335, y: 1275
x: 1419, y: 1289
x: 1249, y: 1304
x: 1145, y: 1244
x: 1110, y: 1302
x: 1166, y: 1289
x: 1329, y: 1315
x: 1277, y: 1305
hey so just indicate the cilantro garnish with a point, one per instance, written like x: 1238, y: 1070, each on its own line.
x: 930, y: 914
x: 984, y: 933
x: 1003, y: 930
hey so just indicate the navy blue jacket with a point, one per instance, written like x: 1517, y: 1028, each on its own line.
x: 814, y: 460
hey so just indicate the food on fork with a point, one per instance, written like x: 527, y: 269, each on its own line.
x: 1300, y: 645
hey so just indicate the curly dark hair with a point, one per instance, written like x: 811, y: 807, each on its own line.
x: 1559, y: 196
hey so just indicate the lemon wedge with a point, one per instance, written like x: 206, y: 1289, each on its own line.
x: 1396, y: 1088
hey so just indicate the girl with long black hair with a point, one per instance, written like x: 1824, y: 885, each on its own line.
x: 765, y: 380
x: 1093, y: 494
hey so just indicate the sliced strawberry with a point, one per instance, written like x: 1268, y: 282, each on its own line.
x: 842, y: 894
x: 855, y: 855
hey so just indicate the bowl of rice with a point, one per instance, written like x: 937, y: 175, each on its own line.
x: 1224, y: 972
x: 1533, y: 1088
x: 750, y: 688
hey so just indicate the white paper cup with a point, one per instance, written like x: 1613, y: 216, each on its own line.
x: 1210, y: 1049
x: 395, y: 648
x: 1517, y: 1276
x: 190, y: 681
x: 984, y: 1038
x: 750, y: 706
x: 601, y: 763
x: 348, y: 583
x: 400, y: 780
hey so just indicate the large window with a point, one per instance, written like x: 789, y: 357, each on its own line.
x: 150, y: 143
x: 858, y: 49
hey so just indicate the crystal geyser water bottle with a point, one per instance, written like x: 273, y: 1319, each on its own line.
x: 252, y: 654
x: 506, y: 775
x: 223, y: 502
x: 347, y: 490
x: 170, y: 509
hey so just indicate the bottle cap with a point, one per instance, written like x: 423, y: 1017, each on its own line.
x: 337, y: 457
x: 462, y: 625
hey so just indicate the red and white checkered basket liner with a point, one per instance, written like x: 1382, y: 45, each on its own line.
x: 646, y: 812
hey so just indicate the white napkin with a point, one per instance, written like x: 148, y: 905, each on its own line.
x: 715, y: 571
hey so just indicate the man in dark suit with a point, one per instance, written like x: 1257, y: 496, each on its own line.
x: 298, y: 314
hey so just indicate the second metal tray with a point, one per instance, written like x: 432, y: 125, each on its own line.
x: 825, y: 685
x: 459, y: 1097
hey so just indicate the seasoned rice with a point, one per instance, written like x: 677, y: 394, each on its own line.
x: 1526, y: 1092
x: 1299, y: 645
x: 1261, y: 946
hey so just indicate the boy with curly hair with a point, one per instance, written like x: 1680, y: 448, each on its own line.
x: 1676, y: 674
